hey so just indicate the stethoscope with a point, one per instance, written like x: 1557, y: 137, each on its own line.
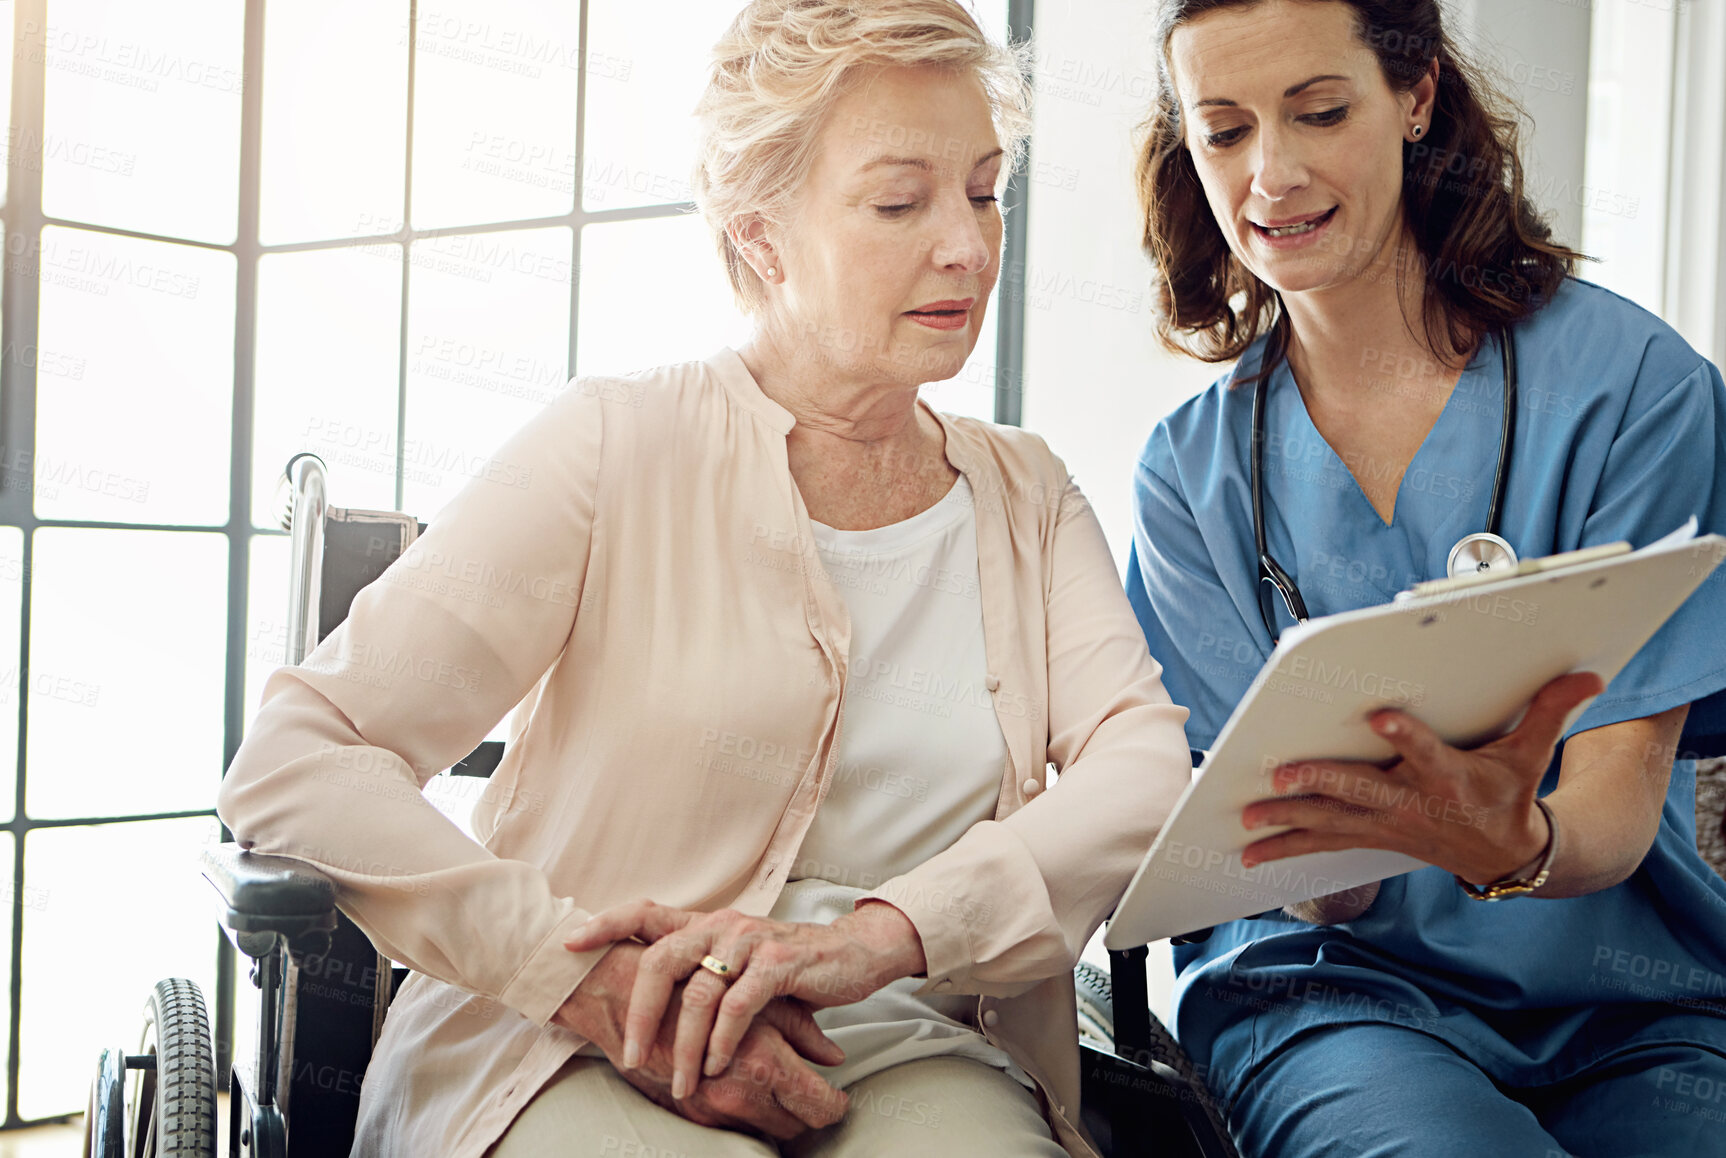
x: 1483, y: 551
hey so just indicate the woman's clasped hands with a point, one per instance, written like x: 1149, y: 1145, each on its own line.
x: 766, y: 965
x: 769, y: 1088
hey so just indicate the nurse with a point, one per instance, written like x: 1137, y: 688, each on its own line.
x: 1333, y: 201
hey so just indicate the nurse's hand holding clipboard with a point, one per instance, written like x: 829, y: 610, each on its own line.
x: 1473, y: 812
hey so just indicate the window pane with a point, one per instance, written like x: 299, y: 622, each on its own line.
x: 127, y: 646
x: 135, y: 380
x: 494, y: 110
x: 488, y: 343
x: 335, y: 119
x: 646, y: 67
x: 14, y: 143
x: 108, y: 912
x: 31, y: 898
x: 143, y: 115
x: 652, y: 293
x: 11, y: 685
x: 329, y: 349
x: 266, y: 616
x: 1624, y: 195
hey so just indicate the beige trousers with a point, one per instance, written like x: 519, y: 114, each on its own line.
x: 936, y: 1107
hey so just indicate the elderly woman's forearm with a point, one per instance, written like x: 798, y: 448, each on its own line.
x: 295, y: 789
x: 891, y: 937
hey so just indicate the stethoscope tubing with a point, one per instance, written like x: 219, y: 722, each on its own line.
x: 1269, y: 570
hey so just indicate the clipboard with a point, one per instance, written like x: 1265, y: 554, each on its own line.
x: 1465, y: 656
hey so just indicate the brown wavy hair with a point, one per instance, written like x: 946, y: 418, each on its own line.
x: 1487, y: 254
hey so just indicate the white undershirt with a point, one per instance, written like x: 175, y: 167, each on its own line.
x: 921, y: 757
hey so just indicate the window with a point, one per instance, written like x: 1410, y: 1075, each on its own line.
x: 1656, y: 155
x: 382, y: 233
x: 1630, y: 91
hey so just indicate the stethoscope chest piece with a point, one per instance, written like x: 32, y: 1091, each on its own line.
x: 1481, y: 552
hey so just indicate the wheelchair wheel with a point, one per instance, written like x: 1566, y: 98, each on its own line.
x: 105, y: 1120
x: 1096, y: 999
x: 170, y: 1108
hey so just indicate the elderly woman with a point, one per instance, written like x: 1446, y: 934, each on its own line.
x: 793, y: 653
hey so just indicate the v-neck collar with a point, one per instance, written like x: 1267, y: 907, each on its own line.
x: 1482, y: 373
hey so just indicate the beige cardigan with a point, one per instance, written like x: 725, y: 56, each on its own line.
x: 635, y: 568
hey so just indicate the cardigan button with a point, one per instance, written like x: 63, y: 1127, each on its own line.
x: 1032, y: 787
x: 992, y: 682
x: 990, y: 1017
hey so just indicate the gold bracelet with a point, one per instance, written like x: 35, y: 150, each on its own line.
x: 1521, y: 886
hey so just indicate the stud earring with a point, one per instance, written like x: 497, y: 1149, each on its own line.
x: 1419, y: 130
x: 772, y: 273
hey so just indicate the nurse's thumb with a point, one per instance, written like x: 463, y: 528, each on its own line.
x: 1543, y: 723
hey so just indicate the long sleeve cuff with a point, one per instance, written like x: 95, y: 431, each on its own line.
x: 983, y: 914
x: 551, y: 972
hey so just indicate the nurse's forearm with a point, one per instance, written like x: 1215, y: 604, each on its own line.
x: 1611, y: 789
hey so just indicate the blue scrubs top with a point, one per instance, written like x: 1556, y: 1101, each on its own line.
x: 1620, y: 435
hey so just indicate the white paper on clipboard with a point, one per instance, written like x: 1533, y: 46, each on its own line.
x: 1466, y: 662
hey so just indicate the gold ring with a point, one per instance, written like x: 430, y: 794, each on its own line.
x: 717, y: 967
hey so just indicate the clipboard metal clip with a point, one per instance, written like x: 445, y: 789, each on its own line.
x: 1541, y: 566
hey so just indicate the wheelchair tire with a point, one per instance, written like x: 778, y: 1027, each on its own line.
x: 105, y: 1120
x: 171, y: 1109
x: 1095, y: 993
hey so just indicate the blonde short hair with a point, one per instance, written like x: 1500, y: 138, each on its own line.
x: 782, y: 66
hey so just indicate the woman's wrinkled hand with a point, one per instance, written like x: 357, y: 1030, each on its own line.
x: 1471, y: 812
x: 769, y: 1087
x: 817, y: 965
x: 766, y: 1088
x: 1335, y: 908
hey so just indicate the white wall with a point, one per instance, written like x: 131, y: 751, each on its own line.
x: 1538, y: 52
x: 1631, y: 94
x: 1696, y: 228
x: 1095, y: 380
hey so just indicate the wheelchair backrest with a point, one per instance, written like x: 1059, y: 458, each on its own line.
x: 337, y: 1000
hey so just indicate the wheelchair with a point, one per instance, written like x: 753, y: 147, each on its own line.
x: 323, y: 989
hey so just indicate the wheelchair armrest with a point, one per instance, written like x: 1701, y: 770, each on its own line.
x: 269, y: 896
